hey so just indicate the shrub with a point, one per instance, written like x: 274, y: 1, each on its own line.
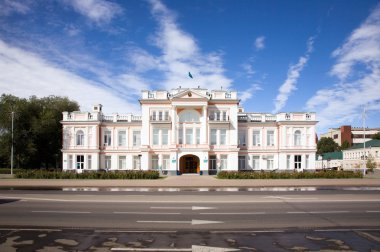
x: 43, y: 174
x: 8, y: 170
x: 289, y: 175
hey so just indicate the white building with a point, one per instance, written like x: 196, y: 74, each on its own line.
x: 354, y: 157
x: 188, y: 131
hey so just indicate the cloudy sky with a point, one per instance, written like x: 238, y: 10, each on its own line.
x: 284, y: 55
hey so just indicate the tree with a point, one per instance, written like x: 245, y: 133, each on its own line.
x: 345, y: 145
x: 37, y: 130
x: 326, y: 144
x: 376, y: 136
x: 371, y: 164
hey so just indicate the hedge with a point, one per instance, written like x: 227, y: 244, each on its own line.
x: 43, y: 174
x: 8, y: 170
x: 289, y: 175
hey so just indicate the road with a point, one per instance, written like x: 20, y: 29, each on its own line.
x: 193, y: 212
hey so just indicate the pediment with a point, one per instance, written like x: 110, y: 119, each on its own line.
x: 189, y: 94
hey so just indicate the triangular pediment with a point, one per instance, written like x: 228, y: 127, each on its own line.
x: 190, y: 94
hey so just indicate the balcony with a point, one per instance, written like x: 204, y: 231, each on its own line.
x: 160, y: 119
x: 219, y: 119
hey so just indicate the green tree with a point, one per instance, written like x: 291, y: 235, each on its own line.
x: 326, y: 144
x: 376, y: 136
x: 345, y: 145
x: 37, y: 130
x: 371, y: 164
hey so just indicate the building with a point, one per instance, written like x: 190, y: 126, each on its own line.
x: 354, y: 157
x: 351, y: 135
x: 330, y: 161
x: 188, y: 131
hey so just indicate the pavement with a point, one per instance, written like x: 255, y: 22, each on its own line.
x: 189, y: 181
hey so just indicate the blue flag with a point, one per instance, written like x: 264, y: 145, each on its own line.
x: 190, y: 75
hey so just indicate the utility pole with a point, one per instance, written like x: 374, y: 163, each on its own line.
x: 13, y: 114
x: 364, y: 156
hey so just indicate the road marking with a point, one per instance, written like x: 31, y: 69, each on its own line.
x: 346, y: 230
x: 373, y: 211
x: 154, y: 213
x: 296, y: 212
x: 194, y: 248
x: 192, y: 222
x: 32, y: 229
x: 245, y: 213
x: 328, y: 212
x: 287, y: 198
x: 251, y: 231
x: 192, y: 208
x: 132, y: 231
x: 62, y: 212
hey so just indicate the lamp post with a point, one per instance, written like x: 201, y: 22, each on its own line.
x: 13, y: 114
x: 364, y: 156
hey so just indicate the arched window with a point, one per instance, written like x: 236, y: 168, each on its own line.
x: 189, y: 116
x: 80, y: 137
x: 297, y: 138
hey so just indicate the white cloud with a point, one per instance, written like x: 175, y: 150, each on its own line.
x: 24, y: 74
x: 248, y: 93
x: 179, y: 54
x: 248, y: 69
x: 7, y: 7
x: 98, y: 11
x: 358, y: 69
x: 294, y: 73
x: 259, y: 43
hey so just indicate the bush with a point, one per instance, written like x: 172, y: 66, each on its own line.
x: 8, y: 170
x: 43, y: 174
x: 289, y: 175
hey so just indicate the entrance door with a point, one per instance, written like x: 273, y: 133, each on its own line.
x: 189, y: 164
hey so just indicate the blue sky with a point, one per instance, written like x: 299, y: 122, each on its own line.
x: 281, y: 56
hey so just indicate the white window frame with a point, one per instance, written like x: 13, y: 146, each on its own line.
x: 242, y: 159
x: 270, y: 137
x: 79, y: 163
x: 122, y: 138
x: 223, y: 161
x: 107, y: 137
x: 165, y: 162
x: 198, y: 135
x: 255, y: 162
x: 70, y: 162
x: 212, y: 162
x: 155, y: 164
x: 164, y: 136
x: 189, y: 135
x: 213, y: 136
x: 297, y: 138
x: 89, y: 162
x: 222, y: 136
x: 156, y: 136
x: 122, y: 162
x: 136, y: 138
x: 108, y: 162
x: 297, y: 163
x: 80, y: 138
x: 270, y: 163
x: 242, y: 137
x: 136, y: 162
x: 256, y: 137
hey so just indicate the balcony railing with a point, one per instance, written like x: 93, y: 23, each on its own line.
x: 160, y: 118
x: 213, y: 118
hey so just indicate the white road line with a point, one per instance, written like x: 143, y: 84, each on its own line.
x: 346, y: 230
x: 151, y: 249
x: 153, y: 213
x: 328, y: 212
x: 185, y: 208
x: 32, y: 229
x: 251, y: 231
x: 373, y: 211
x: 245, y: 213
x: 62, y: 212
x: 132, y: 231
x: 192, y: 222
x: 296, y: 212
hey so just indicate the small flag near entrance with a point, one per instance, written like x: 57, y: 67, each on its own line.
x: 190, y: 75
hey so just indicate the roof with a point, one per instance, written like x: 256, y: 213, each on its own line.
x: 332, y: 155
x: 370, y: 143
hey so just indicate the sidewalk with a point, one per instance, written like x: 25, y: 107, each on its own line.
x: 190, y: 181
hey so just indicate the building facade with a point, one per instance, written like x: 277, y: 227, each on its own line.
x: 353, y: 135
x: 188, y: 131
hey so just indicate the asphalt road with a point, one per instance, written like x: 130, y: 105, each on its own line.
x: 166, y: 220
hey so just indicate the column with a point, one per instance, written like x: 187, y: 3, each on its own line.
x: 204, y: 125
x: 174, y: 125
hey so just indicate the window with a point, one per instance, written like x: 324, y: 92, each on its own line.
x: 212, y: 162
x: 189, y: 116
x: 155, y: 136
x: 165, y: 138
x: 136, y: 138
x: 70, y: 162
x: 213, y: 137
x: 189, y: 136
x: 270, y: 163
x: 165, y: 162
x: 136, y: 163
x: 242, y: 137
x: 160, y: 115
x: 155, y: 162
x: 307, y: 161
x: 256, y: 138
x: 107, y: 138
x: 180, y: 136
x: 198, y: 135
x: 241, y: 164
x: 89, y: 162
x: 122, y: 138
x: 217, y: 115
x: 297, y: 161
x: 223, y: 162
x: 255, y: 162
x: 80, y: 137
x: 122, y: 162
x: 297, y: 138
x: 287, y: 161
x: 166, y: 115
x: 335, y: 136
x: 224, y: 113
x: 154, y: 116
x: 107, y: 161
x: 223, y: 133
x: 80, y: 162
x: 270, y: 137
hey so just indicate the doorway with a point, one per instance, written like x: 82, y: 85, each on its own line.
x: 189, y: 164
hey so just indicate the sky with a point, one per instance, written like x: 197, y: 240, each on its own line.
x: 279, y: 55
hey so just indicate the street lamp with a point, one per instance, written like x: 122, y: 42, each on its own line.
x: 364, y: 156
x: 13, y: 114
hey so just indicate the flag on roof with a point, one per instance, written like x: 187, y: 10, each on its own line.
x: 190, y: 75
